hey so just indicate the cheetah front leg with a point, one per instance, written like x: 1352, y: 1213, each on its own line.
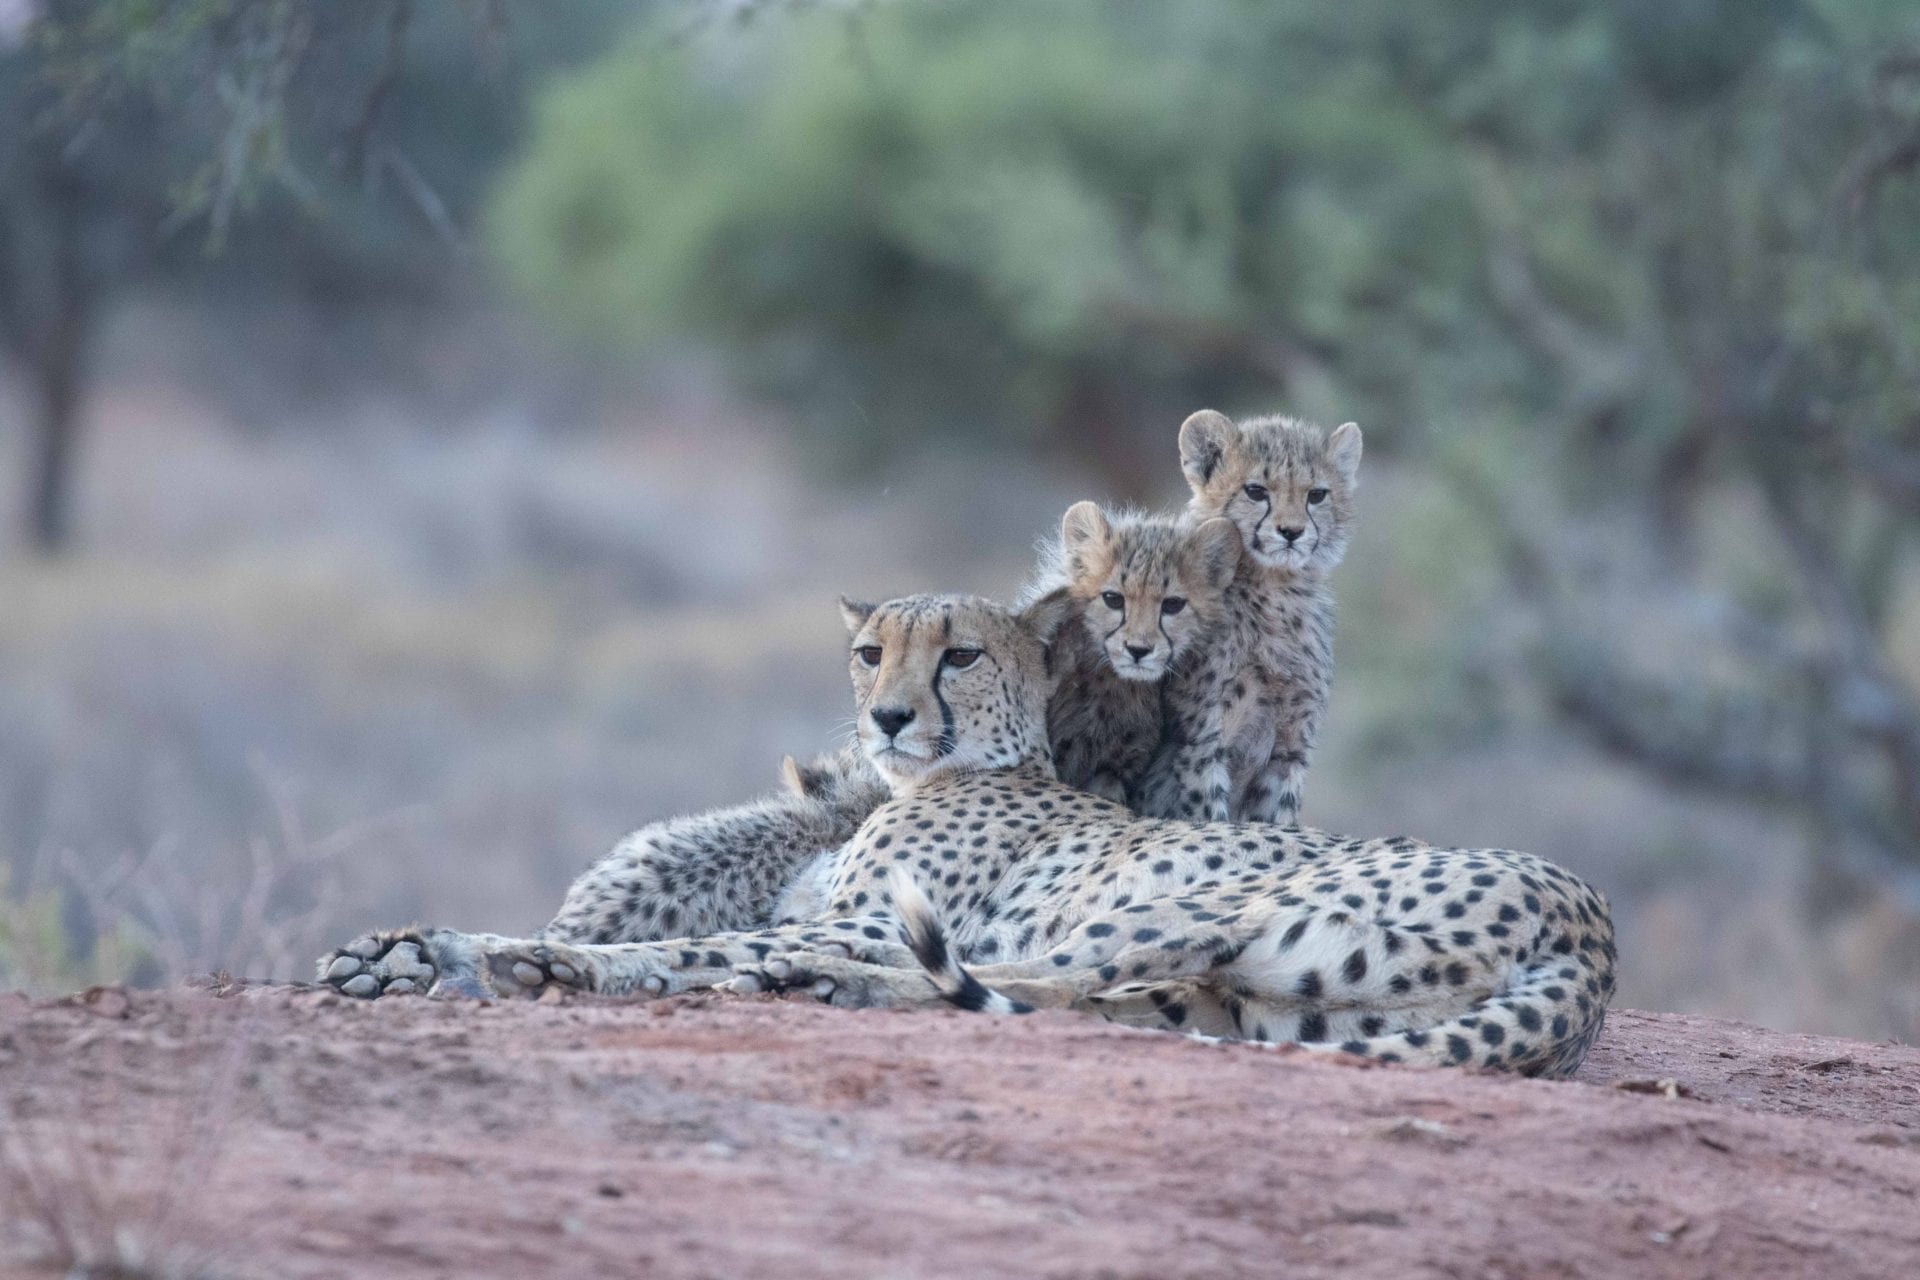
x: 529, y: 967
x: 1275, y: 792
x: 838, y: 980
x: 1190, y: 781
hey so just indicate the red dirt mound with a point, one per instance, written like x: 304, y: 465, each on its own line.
x: 293, y: 1133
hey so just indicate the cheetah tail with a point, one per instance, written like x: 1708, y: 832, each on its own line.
x: 1542, y: 1025
x: 928, y: 940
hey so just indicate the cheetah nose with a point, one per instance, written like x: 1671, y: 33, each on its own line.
x: 1139, y: 651
x: 892, y: 719
x: 1292, y: 535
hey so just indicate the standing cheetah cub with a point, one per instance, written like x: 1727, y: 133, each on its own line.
x: 1242, y: 716
x: 1147, y: 590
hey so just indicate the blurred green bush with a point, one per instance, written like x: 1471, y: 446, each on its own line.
x: 1074, y: 221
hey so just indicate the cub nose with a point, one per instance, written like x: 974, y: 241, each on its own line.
x: 891, y: 719
x: 1292, y: 535
x: 1139, y: 651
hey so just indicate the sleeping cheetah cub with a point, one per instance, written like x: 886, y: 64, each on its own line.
x: 742, y: 867
x: 1387, y: 948
x: 1242, y: 716
x: 733, y: 868
x: 1147, y: 589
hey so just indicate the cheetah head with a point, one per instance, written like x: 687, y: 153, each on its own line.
x: 1286, y: 484
x: 951, y: 683
x: 1147, y: 587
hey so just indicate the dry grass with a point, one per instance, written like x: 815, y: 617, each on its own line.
x: 155, y: 918
x: 127, y: 1191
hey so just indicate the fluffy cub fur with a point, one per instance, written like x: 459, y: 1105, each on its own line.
x: 734, y: 868
x: 1147, y: 589
x: 1242, y: 716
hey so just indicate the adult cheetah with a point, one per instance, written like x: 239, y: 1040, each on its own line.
x: 1390, y: 949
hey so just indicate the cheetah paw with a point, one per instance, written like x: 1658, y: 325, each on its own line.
x: 532, y: 971
x: 388, y: 963
x: 830, y: 978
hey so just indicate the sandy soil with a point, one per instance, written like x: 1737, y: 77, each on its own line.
x: 293, y: 1133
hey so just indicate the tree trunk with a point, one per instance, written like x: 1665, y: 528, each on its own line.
x: 56, y: 375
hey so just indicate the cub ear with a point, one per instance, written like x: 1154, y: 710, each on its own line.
x: 1205, y: 438
x: 1045, y: 616
x: 1343, y: 446
x: 804, y: 779
x: 1213, y: 552
x: 1085, y: 536
x: 855, y: 613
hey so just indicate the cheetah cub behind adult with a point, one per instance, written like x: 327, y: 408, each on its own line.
x: 1147, y: 590
x: 1243, y: 714
x: 742, y: 867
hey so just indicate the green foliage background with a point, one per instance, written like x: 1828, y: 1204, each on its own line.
x: 1074, y: 220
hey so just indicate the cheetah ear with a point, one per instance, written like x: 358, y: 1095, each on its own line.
x: 1045, y: 616
x: 855, y: 613
x: 1213, y: 552
x: 804, y: 779
x: 1205, y: 438
x: 1086, y: 537
x: 1343, y: 446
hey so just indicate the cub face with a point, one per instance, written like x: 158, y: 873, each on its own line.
x: 946, y: 683
x: 1286, y: 485
x: 1147, y: 587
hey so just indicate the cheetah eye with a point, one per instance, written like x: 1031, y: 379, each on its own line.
x: 1113, y: 600
x: 1316, y: 496
x: 1258, y: 492
x: 869, y: 654
x: 1172, y: 605
x: 961, y: 659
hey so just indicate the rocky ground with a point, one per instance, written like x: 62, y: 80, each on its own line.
x: 281, y: 1133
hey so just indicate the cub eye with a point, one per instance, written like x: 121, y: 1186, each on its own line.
x: 1172, y: 605
x: 1316, y: 496
x: 961, y: 659
x: 869, y: 654
x: 1258, y: 492
x: 1113, y: 600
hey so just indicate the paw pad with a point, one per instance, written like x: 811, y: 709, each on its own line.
x: 379, y: 965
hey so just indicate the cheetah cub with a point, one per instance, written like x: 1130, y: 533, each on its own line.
x: 732, y: 868
x: 1147, y: 590
x: 1242, y: 716
x: 769, y: 861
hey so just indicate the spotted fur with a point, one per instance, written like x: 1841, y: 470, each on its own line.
x: 1049, y: 896
x: 1242, y: 715
x: 741, y: 867
x: 1146, y: 590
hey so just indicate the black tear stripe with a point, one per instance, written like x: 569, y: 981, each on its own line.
x: 949, y: 741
